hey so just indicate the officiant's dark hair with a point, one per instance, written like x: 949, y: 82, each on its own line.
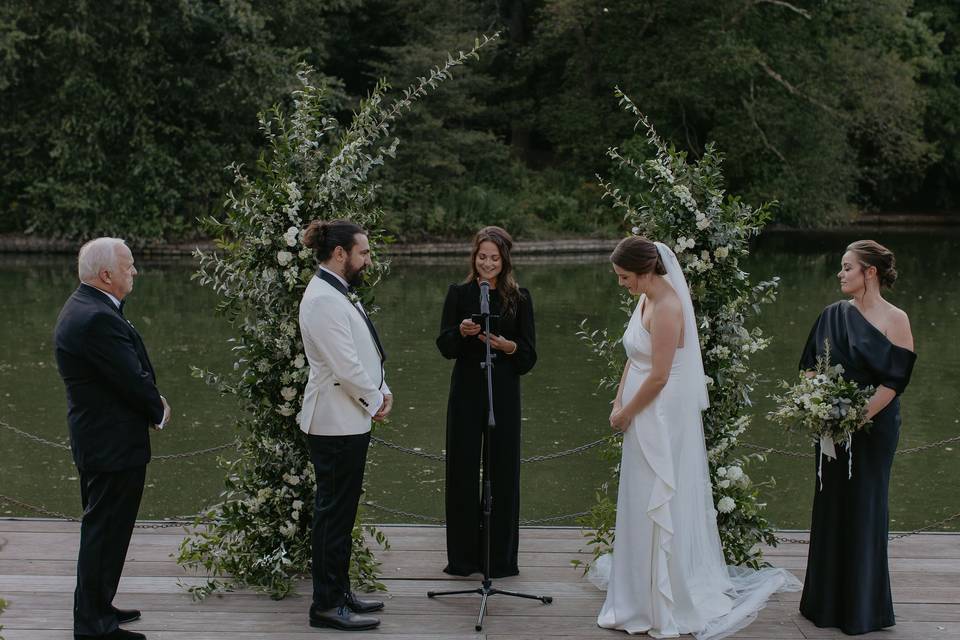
x: 638, y: 255
x: 873, y: 254
x: 324, y: 236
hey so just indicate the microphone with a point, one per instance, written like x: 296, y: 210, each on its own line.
x: 484, y: 298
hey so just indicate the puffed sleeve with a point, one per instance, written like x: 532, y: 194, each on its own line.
x: 892, y: 365
x: 450, y: 342
x: 526, y: 355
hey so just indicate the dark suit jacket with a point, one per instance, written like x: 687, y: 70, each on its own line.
x: 112, y: 396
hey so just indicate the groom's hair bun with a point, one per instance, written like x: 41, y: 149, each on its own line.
x: 324, y: 236
x: 873, y: 254
x: 638, y: 255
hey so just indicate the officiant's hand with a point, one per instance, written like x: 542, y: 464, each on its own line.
x: 385, y: 408
x: 500, y: 343
x: 469, y: 328
x: 620, y: 420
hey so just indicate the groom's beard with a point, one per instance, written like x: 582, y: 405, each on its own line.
x: 354, y: 278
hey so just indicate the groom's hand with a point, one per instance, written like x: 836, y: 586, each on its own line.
x: 385, y: 408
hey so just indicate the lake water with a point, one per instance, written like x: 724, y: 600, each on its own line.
x: 562, y: 406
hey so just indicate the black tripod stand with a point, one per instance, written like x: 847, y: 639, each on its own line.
x: 486, y: 588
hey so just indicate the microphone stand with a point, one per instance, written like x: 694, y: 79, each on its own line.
x: 486, y: 588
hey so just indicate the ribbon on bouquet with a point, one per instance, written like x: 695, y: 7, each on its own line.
x: 828, y: 449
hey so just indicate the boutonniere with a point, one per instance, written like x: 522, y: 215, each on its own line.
x: 353, y: 297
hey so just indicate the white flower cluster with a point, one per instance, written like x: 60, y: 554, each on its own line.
x: 726, y: 504
x: 684, y: 243
x: 682, y: 192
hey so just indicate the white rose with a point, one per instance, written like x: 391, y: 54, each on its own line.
x: 291, y: 236
x: 721, y: 471
x: 288, y: 393
x: 285, y: 410
x: 723, y: 484
x: 299, y: 362
x: 721, y: 252
x: 726, y: 504
x: 284, y: 258
x: 291, y: 479
x: 734, y: 473
x: 297, y: 505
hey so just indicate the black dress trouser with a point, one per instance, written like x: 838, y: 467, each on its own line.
x: 111, y: 500
x: 338, y: 463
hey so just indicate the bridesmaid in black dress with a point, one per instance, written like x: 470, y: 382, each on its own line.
x: 848, y: 582
x: 514, y: 348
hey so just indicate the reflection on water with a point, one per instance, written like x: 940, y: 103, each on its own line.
x: 562, y: 406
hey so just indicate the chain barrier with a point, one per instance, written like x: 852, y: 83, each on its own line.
x: 807, y: 454
x: 180, y: 522
x: 538, y: 458
x: 160, y: 458
x: 899, y: 536
x: 199, y: 452
x: 183, y: 521
x: 30, y: 436
x: 420, y: 516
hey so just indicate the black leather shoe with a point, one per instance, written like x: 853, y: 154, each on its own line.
x: 116, y: 634
x: 363, y: 606
x: 342, y: 618
x: 126, y: 615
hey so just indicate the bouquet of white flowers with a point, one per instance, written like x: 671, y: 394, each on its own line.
x: 824, y: 405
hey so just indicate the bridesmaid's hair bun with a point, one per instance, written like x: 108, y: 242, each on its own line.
x: 874, y: 254
x: 638, y: 255
x: 325, y: 236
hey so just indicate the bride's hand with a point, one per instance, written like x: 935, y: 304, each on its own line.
x: 620, y: 420
x: 616, y: 407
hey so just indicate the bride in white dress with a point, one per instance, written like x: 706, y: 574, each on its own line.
x: 667, y: 575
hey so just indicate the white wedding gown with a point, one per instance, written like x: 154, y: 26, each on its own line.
x: 667, y: 574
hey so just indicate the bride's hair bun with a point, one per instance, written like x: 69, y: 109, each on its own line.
x: 638, y: 255
x: 873, y: 254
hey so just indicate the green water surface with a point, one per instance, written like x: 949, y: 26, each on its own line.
x: 562, y: 406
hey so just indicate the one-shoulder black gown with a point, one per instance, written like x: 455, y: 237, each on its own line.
x: 466, y: 417
x: 848, y: 581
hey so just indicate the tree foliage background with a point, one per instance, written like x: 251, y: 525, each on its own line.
x: 120, y: 118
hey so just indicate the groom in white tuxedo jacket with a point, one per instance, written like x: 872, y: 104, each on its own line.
x: 345, y: 391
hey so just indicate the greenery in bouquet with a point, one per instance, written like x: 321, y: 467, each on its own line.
x: 824, y: 404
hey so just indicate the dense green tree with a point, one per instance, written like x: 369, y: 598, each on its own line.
x: 941, y: 186
x: 119, y: 117
x: 816, y: 104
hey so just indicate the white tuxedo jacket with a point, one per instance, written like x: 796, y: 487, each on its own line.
x: 347, y: 382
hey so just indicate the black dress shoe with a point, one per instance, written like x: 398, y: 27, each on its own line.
x: 342, y: 618
x: 116, y: 634
x: 363, y: 606
x: 126, y: 615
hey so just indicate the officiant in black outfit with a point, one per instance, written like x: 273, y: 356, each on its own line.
x: 847, y: 583
x: 513, y: 341
x: 112, y: 401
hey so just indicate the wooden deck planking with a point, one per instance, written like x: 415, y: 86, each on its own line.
x: 37, y: 563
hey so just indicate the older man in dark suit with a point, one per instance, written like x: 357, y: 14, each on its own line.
x: 112, y: 401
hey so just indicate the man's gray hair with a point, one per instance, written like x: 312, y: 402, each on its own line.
x: 97, y: 255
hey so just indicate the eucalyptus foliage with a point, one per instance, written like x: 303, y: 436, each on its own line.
x: 683, y: 204
x: 313, y: 167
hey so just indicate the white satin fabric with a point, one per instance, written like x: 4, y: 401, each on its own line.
x: 667, y: 575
